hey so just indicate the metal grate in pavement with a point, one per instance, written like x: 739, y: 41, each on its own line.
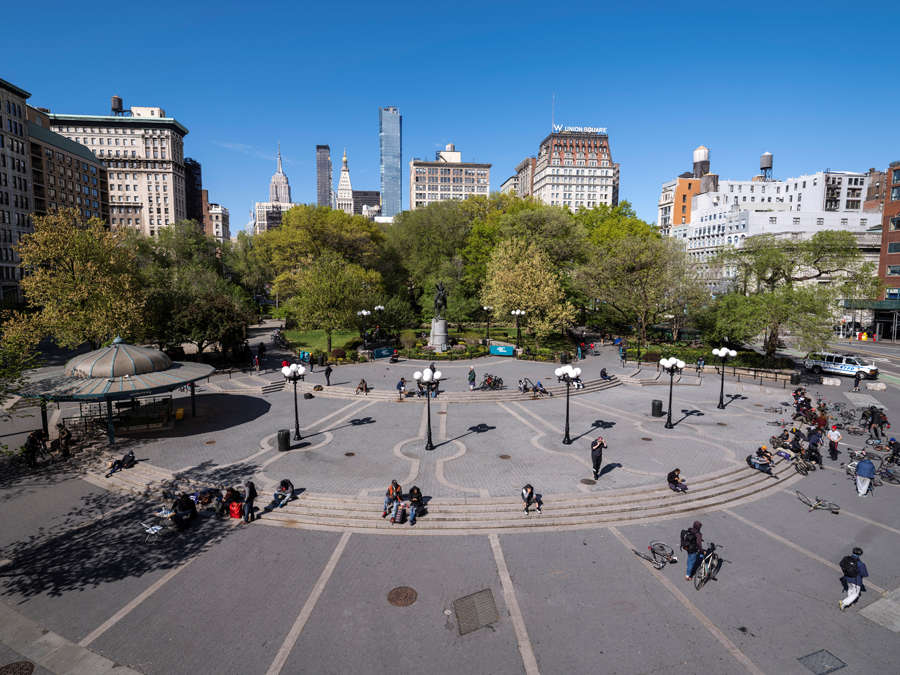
x: 822, y: 662
x: 475, y: 611
x: 17, y: 668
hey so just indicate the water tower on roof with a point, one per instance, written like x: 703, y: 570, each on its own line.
x: 701, y: 161
x: 765, y: 165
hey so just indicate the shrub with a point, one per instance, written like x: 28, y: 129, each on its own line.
x: 363, y: 359
x: 352, y: 344
x: 338, y: 353
x: 458, y: 348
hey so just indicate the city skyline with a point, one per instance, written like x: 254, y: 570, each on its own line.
x: 739, y: 99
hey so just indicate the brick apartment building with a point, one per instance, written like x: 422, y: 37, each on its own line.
x: 889, y: 263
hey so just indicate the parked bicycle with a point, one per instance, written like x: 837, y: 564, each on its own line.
x: 850, y: 469
x: 491, y: 382
x: 818, y: 503
x: 660, y: 554
x: 708, y: 568
x: 803, y: 466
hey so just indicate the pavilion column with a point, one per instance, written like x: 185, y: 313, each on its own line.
x: 44, y: 418
x: 110, y: 432
x: 193, y: 402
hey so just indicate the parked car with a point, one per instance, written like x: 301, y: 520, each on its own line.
x: 840, y: 364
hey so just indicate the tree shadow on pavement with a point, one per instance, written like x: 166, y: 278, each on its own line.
x: 102, y: 549
x: 210, y: 474
x: 215, y: 412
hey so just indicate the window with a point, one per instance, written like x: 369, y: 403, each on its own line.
x: 820, y: 221
x: 796, y: 221
x: 894, y: 247
x: 895, y: 191
x: 892, y: 293
x: 896, y: 178
x: 893, y: 270
x: 895, y: 223
x: 773, y: 220
x: 843, y: 221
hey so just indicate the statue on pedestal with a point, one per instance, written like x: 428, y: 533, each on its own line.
x: 440, y: 300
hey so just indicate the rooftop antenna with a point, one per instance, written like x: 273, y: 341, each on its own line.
x: 553, y: 112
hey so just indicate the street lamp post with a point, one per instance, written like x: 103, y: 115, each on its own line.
x: 431, y: 380
x: 294, y: 373
x: 723, y: 353
x: 567, y: 374
x: 518, y: 313
x: 671, y: 366
x: 363, y: 314
x: 487, y: 310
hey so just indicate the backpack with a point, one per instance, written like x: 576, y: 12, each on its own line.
x: 234, y: 509
x: 688, y: 541
x: 850, y: 566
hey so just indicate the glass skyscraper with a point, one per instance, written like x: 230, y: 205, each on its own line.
x: 390, y: 128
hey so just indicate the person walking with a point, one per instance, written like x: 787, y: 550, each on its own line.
x: 471, y: 378
x: 854, y: 571
x: 328, y: 371
x: 250, y: 496
x: 865, y: 472
x: 692, y: 543
x: 856, y: 379
x: 701, y: 363
x: 834, y: 437
x: 597, y: 455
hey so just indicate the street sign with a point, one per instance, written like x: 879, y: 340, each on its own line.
x: 382, y: 352
x: 503, y: 350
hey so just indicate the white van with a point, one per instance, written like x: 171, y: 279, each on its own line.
x: 840, y: 364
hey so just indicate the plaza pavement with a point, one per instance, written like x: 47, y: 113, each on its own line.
x: 309, y: 595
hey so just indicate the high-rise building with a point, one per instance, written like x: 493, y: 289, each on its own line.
x: 525, y: 176
x: 674, y: 207
x: 219, y: 223
x: 279, y: 188
x: 144, y: 157
x: 446, y: 178
x: 390, y: 138
x: 323, y: 175
x: 366, y: 203
x: 889, y: 263
x: 268, y: 214
x: 64, y: 174
x: 574, y: 168
x: 193, y: 184
x: 15, y: 185
x: 345, y: 189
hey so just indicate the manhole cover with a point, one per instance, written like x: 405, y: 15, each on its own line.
x: 505, y: 456
x: 349, y: 454
x: 646, y: 438
x: 588, y: 481
x: 210, y: 442
x: 822, y: 662
x: 475, y: 611
x: 402, y: 596
x: 17, y: 668
x: 722, y: 424
x: 758, y: 405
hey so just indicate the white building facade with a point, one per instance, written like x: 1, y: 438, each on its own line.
x: 144, y: 158
x: 574, y: 168
x: 446, y: 178
x: 220, y: 222
x: 344, y: 199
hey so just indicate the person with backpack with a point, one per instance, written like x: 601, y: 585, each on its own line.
x: 392, y: 500
x: 529, y: 497
x: 854, y: 571
x: 250, y: 494
x: 865, y: 472
x: 597, y: 455
x: 692, y: 543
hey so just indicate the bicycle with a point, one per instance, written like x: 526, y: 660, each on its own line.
x: 803, y: 466
x: 850, y: 469
x: 777, y: 411
x: 660, y: 554
x: 819, y: 503
x: 708, y: 568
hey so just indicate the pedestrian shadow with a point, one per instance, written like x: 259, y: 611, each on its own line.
x: 687, y: 413
x: 338, y: 384
x: 477, y: 429
x: 608, y: 468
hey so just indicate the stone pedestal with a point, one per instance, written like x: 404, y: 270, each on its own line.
x: 438, y: 338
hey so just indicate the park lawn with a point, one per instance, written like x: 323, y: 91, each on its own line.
x: 311, y: 340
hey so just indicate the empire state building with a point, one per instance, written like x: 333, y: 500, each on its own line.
x: 268, y: 214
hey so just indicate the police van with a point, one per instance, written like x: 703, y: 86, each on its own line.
x: 840, y: 364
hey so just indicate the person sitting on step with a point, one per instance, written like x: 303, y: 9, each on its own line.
x: 283, y: 495
x: 675, y: 481
x: 529, y: 497
x: 126, y: 462
x: 392, y: 498
x: 363, y: 387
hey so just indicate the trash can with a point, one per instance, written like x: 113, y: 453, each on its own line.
x: 656, y: 410
x: 795, y: 378
x: 284, y: 440
x: 564, y: 357
x: 321, y: 359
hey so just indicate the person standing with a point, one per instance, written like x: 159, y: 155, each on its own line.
x: 250, y: 496
x: 834, y: 437
x: 856, y: 378
x: 471, y: 378
x: 401, y: 388
x: 701, y: 363
x: 692, y: 542
x: 865, y: 472
x: 854, y: 571
x: 328, y: 371
x: 597, y: 455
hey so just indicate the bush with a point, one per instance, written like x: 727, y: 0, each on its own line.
x: 458, y: 348
x: 352, y: 344
x: 338, y: 353
x: 363, y: 359
x: 354, y: 355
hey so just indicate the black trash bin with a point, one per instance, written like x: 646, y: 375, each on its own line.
x: 284, y: 440
x: 795, y: 378
x: 564, y: 357
x: 321, y: 359
x: 656, y: 410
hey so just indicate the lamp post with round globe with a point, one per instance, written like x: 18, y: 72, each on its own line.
x: 431, y: 380
x: 567, y: 374
x: 363, y: 315
x: 518, y: 313
x: 487, y: 311
x: 672, y: 366
x: 723, y: 353
x: 294, y: 373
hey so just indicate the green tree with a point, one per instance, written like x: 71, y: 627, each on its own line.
x: 329, y: 291
x: 81, y: 280
x: 604, y: 225
x: 520, y: 276
x: 18, y: 338
x: 246, y: 260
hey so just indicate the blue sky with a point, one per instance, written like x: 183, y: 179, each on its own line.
x: 812, y: 83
